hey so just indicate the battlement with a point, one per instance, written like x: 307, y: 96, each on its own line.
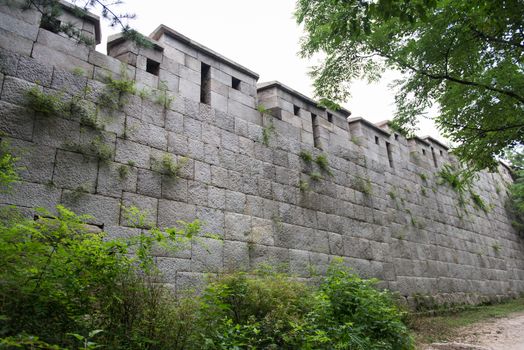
x: 280, y: 179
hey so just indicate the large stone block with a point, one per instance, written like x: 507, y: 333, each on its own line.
x: 174, y: 188
x: 16, y: 121
x: 147, y: 207
x: 189, y: 89
x: 261, y: 255
x: 190, y: 282
x: 149, y: 183
x: 31, y: 70
x: 261, y: 231
x: 18, y: 9
x: 207, y: 255
x: 212, y: 221
x: 216, y: 198
x: 75, y: 171
x: 238, y: 227
x: 113, y: 178
x: 236, y: 256
x: 56, y: 132
x: 235, y: 201
x: 103, y: 210
x: 153, y: 111
x: 197, y: 193
x: 169, y: 267
x: 36, y: 162
x: 8, y: 61
x: 15, y: 90
x: 17, y: 26
x: 129, y: 152
x: 145, y: 133
x: 174, y: 121
x: 31, y: 195
x: 63, y: 44
x: 299, y: 263
x: 169, y: 212
x: 61, y: 60
x: 68, y: 82
x: 15, y: 43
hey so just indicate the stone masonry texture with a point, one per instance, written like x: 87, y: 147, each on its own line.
x: 378, y: 204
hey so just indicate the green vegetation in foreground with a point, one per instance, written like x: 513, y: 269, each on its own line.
x: 428, y: 329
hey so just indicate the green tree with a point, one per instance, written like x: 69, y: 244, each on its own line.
x: 467, y: 57
x: 516, y: 190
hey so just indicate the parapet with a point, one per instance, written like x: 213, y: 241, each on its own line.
x: 319, y: 126
x: 192, y: 70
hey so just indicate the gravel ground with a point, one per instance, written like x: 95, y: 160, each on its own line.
x: 505, y: 333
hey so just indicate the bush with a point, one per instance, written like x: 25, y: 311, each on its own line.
x: 271, y: 311
x: 241, y: 311
x: 350, y: 313
x: 60, y: 283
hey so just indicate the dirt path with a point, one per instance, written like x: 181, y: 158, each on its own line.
x: 506, y: 333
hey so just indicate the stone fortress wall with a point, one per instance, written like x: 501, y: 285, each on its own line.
x: 378, y: 204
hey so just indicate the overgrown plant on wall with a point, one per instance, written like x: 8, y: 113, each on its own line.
x: 163, y: 97
x: 461, y: 181
x: 267, y: 131
x: 168, y: 166
x: 45, y: 104
x: 322, y: 163
x: 114, y: 95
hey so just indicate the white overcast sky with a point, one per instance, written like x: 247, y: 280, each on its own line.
x: 260, y: 35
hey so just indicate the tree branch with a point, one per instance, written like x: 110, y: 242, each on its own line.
x: 491, y: 38
x: 460, y: 126
x: 446, y: 76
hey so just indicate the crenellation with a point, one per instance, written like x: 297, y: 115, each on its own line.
x: 377, y: 203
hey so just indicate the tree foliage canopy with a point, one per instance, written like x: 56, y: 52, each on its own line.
x: 465, y: 56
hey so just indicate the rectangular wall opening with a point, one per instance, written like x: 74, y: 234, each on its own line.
x: 330, y: 117
x: 235, y: 83
x: 296, y: 110
x: 205, y: 86
x: 390, y: 154
x: 434, y: 158
x: 51, y: 24
x: 152, y: 67
x: 376, y: 140
x: 316, y: 130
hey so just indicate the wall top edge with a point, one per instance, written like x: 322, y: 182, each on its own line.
x: 435, y: 141
x: 118, y: 38
x: 163, y: 29
x: 419, y: 140
x: 276, y: 84
x: 369, y: 124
